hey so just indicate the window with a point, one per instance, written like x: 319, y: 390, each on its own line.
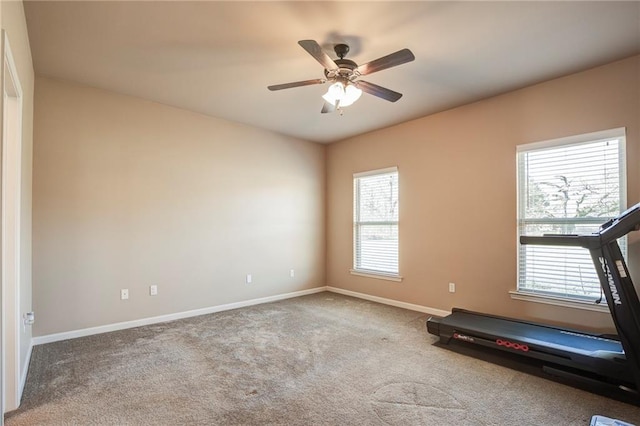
x: 567, y: 186
x: 375, y: 223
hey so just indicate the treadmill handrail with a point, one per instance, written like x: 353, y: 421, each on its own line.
x: 586, y: 241
x: 628, y: 221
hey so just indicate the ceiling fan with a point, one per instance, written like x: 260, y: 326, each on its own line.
x: 344, y: 75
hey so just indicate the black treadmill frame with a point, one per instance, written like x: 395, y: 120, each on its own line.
x: 623, y: 302
x: 618, y: 289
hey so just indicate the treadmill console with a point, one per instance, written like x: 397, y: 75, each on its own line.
x: 627, y: 221
x: 621, y: 216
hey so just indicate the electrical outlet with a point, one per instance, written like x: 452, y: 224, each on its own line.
x: 292, y: 273
x: 153, y: 290
x: 248, y: 278
x: 124, y: 294
x: 452, y: 287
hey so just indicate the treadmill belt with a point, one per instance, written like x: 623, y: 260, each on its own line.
x: 531, y: 334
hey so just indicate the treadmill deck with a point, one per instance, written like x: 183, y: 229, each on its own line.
x: 532, y: 334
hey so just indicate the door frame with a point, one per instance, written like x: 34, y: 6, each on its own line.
x: 10, y: 230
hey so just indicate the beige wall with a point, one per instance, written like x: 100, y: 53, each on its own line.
x: 129, y: 193
x: 14, y: 23
x: 458, y: 190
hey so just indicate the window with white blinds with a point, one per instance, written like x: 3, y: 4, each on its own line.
x: 375, y: 222
x: 567, y: 186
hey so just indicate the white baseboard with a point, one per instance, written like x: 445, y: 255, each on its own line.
x: 50, y: 338
x: 39, y: 340
x: 396, y: 303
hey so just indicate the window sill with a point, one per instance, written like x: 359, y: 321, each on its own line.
x: 559, y: 301
x: 376, y: 275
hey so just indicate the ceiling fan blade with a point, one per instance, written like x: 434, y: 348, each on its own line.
x: 315, y: 50
x: 379, y: 91
x: 398, y: 58
x: 328, y: 107
x: 297, y: 84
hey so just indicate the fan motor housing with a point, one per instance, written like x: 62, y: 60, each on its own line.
x: 345, y: 68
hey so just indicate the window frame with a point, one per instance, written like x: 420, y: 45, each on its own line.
x: 563, y: 299
x: 369, y: 273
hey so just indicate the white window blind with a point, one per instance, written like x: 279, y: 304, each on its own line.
x: 567, y: 186
x: 375, y: 221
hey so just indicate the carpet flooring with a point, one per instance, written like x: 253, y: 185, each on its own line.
x: 323, y: 359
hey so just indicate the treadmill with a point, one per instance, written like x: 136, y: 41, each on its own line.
x: 609, y: 365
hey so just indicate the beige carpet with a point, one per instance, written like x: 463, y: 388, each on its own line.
x: 323, y: 359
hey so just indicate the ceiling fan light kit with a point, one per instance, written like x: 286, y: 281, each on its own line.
x: 344, y: 74
x: 342, y: 96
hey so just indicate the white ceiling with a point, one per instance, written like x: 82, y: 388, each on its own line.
x: 218, y: 58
